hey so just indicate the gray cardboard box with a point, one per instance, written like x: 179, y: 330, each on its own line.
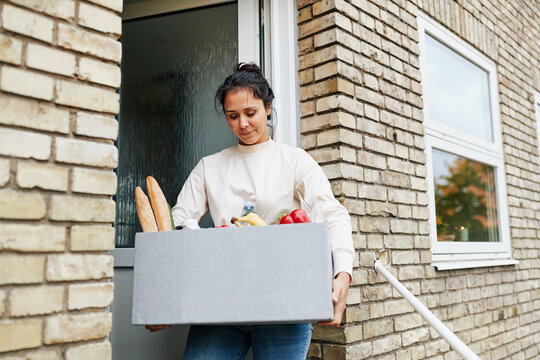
x: 250, y: 275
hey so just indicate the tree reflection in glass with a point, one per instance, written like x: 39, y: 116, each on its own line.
x: 465, y: 200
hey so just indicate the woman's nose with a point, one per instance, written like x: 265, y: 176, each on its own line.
x: 243, y: 122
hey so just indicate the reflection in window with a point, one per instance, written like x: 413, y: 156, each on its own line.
x: 465, y: 200
x: 458, y: 91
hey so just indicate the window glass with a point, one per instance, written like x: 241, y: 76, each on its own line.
x: 465, y: 199
x: 468, y: 203
x: 458, y: 91
x: 172, y: 66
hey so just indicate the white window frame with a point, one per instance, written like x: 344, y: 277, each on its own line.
x: 457, y: 255
x: 281, y: 67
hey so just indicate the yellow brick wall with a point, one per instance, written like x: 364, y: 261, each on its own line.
x: 361, y: 112
x: 58, y: 79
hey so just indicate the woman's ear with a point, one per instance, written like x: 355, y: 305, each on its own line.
x: 268, y: 109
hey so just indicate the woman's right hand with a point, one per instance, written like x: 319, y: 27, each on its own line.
x: 154, y: 328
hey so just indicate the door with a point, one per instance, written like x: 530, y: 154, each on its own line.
x: 174, y: 59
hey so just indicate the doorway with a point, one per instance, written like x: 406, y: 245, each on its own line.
x: 173, y: 62
x: 175, y: 54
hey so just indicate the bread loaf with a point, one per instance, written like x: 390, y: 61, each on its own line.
x: 159, y: 204
x: 144, y: 210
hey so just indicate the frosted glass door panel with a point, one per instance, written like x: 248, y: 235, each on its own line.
x: 172, y: 66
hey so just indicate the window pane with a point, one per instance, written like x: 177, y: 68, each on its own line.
x: 465, y: 200
x: 458, y: 91
x: 172, y: 66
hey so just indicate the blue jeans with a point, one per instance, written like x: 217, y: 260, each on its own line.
x: 231, y: 342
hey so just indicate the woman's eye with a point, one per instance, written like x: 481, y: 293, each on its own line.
x: 251, y: 113
x: 232, y: 117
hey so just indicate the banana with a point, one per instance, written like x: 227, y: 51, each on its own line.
x: 251, y: 218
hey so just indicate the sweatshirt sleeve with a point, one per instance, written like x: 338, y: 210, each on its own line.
x: 192, y: 202
x: 314, y: 188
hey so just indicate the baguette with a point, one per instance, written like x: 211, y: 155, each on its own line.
x: 144, y: 210
x: 159, y: 205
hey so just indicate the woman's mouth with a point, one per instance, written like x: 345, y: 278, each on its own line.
x: 247, y: 133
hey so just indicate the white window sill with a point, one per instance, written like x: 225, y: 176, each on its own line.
x: 452, y: 264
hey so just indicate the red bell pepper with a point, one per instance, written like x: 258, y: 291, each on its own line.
x: 286, y: 219
x: 299, y: 216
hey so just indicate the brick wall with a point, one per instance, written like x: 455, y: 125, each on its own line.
x: 58, y: 79
x: 361, y: 108
x: 361, y: 115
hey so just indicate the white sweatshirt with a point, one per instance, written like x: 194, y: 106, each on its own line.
x: 274, y: 177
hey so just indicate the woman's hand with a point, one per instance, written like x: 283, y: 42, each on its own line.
x: 154, y: 328
x: 340, y: 289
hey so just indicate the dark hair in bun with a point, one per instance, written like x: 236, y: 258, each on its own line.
x: 246, y: 76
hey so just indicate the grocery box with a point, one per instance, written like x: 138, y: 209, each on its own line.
x: 248, y: 275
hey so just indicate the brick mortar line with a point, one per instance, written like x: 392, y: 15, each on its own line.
x: 340, y: 75
x: 363, y: 101
x: 360, y: 133
x: 103, y: 280
x: 506, y: 163
x: 103, y: 7
x: 332, y: 26
x: 51, y: 104
x: 67, y: 193
x: 55, y: 134
x: 333, y: 110
x: 22, y: 352
x: 361, y: 147
x: 67, y: 251
x: 86, y: 138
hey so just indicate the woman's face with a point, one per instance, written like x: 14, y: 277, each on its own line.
x: 246, y: 116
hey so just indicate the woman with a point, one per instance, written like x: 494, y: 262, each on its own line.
x: 275, y: 177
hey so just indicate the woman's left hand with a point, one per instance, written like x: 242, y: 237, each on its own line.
x: 340, y: 289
